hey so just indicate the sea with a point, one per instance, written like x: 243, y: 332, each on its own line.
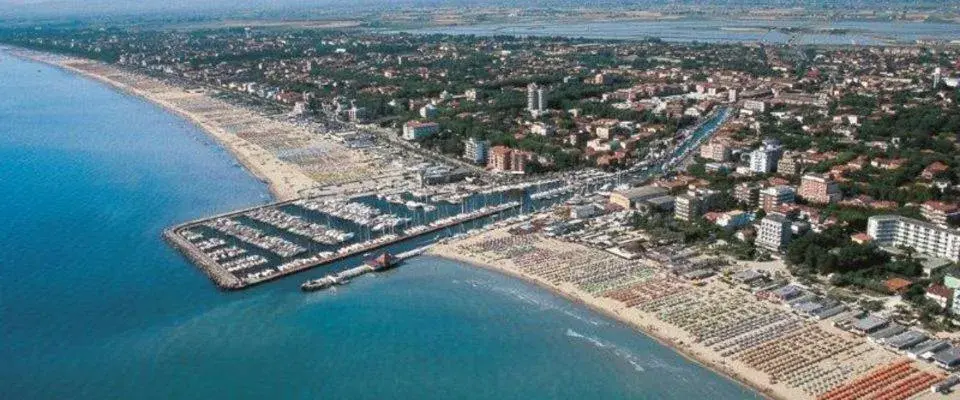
x: 94, y: 305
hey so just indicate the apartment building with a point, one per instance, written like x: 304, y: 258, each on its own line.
x: 819, y: 189
x: 925, y: 238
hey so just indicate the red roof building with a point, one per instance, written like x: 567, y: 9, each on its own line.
x: 897, y: 285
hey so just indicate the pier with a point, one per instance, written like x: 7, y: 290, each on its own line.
x: 255, y: 245
x: 344, y: 277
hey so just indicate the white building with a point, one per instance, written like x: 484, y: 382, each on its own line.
x: 764, y: 159
x: 735, y: 219
x: 583, y: 211
x: 754, y: 105
x: 923, y: 237
x: 476, y: 150
x: 536, y: 99
x: 774, y: 233
x: 428, y: 111
x: 542, y: 129
x: 415, y: 130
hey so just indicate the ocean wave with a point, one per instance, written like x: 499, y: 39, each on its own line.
x: 625, y: 355
x: 542, y: 302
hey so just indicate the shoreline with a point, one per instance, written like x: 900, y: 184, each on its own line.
x: 584, y: 299
x: 253, y: 161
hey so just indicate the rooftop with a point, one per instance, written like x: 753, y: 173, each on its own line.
x: 870, y: 323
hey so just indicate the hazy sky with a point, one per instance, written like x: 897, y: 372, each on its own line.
x: 67, y: 7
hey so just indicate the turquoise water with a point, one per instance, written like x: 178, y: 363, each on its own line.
x: 93, y: 305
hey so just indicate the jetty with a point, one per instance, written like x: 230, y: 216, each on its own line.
x: 381, y: 263
x: 236, y: 254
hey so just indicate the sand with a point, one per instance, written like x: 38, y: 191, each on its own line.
x: 868, y: 355
x: 285, y: 180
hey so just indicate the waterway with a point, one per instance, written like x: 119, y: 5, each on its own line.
x: 720, y: 30
x: 94, y: 305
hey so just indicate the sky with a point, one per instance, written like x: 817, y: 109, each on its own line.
x: 66, y: 8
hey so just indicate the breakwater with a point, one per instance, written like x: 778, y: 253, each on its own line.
x: 237, y: 255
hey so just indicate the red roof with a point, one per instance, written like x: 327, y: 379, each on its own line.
x: 504, y: 150
x: 939, y: 290
x: 933, y: 169
x: 896, y: 285
x: 941, y: 206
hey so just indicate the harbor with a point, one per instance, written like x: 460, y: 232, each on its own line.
x: 251, y: 246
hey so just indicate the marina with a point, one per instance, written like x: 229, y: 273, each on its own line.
x: 247, y: 247
x: 252, y: 246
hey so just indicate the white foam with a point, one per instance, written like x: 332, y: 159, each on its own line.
x: 625, y: 355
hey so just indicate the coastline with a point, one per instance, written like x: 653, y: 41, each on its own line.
x: 580, y: 297
x: 258, y: 161
x: 284, y: 181
x: 716, y: 324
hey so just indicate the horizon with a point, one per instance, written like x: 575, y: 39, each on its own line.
x: 31, y: 9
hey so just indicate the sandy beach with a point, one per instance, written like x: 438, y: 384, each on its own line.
x: 285, y: 156
x: 826, y: 357
x: 751, y: 340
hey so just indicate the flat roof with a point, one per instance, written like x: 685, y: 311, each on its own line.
x: 890, y: 331
x: 808, y: 307
x: 747, y: 276
x: 892, y: 217
x: 829, y: 312
x: 928, y: 346
x: 643, y: 191
x: 788, y: 291
x: 869, y: 323
x: 949, y: 356
x: 906, y: 339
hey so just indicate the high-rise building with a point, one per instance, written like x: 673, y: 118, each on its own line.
x: 819, y: 189
x: 764, y: 159
x: 936, y: 78
x: 772, y: 198
x: 499, y: 159
x: 747, y: 193
x: 923, y: 237
x: 532, y: 97
x: 541, y: 100
x: 687, y: 207
x: 789, y: 164
x: 476, y: 150
x: 774, y: 233
x: 691, y: 205
x: 536, y: 99
x: 518, y: 161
